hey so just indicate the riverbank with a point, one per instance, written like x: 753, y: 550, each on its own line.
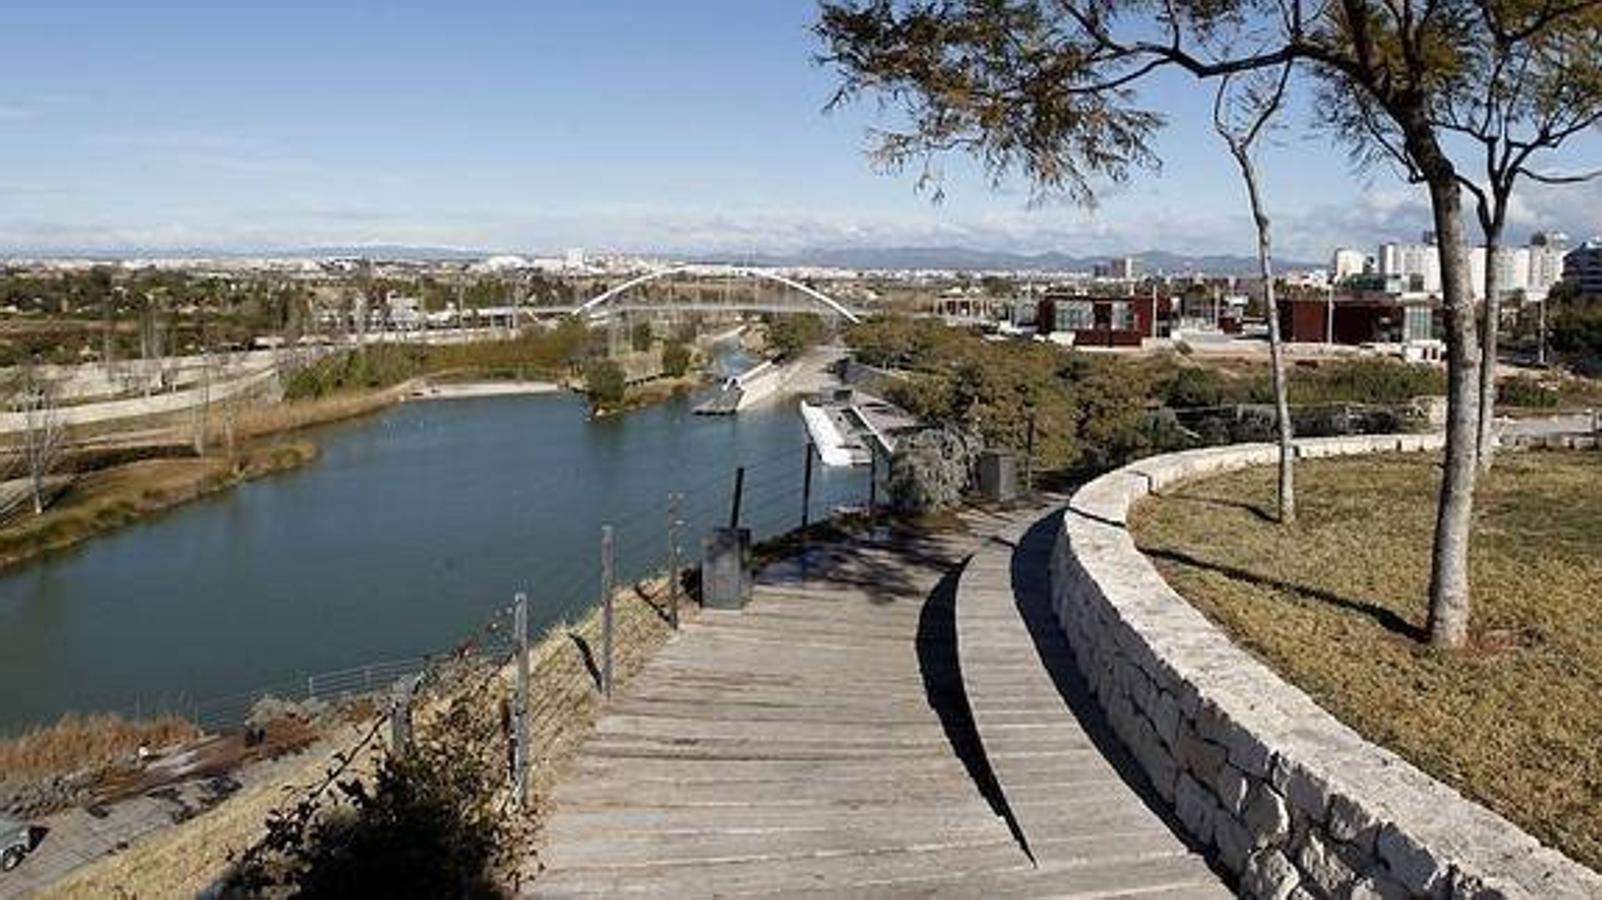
x: 103, y: 496
x: 110, y: 498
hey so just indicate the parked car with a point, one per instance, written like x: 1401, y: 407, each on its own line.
x: 16, y: 840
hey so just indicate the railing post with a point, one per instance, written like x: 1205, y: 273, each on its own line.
x: 606, y: 609
x: 873, y: 480
x: 806, y: 489
x: 400, y: 717
x: 1029, y: 457
x: 739, y: 492
x: 674, y: 525
x: 520, y: 709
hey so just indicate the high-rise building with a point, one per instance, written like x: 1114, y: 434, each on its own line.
x: 1416, y: 268
x: 1582, y: 267
x: 1521, y: 272
x: 1347, y: 262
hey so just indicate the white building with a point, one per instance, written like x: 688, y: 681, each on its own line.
x: 1526, y: 272
x: 1347, y: 262
x: 1416, y: 266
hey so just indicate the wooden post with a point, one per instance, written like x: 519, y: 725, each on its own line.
x: 739, y: 490
x: 806, y: 489
x: 674, y: 525
x: 607, y: 575
x: 400, y: 717
x: 520, y: 709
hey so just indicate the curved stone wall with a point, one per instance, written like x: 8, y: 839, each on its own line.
x: 1290, y: 800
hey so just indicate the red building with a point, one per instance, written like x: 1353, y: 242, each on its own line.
x: 1363, y: 319
x: 1102, y: 321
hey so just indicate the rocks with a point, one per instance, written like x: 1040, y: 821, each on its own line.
x: 1293, y: 802
x: 1269, y: 876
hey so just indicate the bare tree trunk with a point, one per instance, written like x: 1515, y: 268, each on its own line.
x: 43, y: 436
x: 1450, y: 599
x: 1276, y: 350
x: 1485, y: 440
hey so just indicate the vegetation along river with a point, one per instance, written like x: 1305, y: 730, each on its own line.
x: 407, y: 532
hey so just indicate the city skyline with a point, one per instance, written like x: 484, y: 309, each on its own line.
x: 617, y: 126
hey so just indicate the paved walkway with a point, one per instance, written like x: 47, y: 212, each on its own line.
x: 820, y: 742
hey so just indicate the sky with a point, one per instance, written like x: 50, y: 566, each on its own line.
x: 612, y: 125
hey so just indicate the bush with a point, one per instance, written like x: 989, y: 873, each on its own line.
x: 675, y: 359
x: 604, y: 382
x: 1366, y: 381
x: 1527, y: 391
x: 640, y: 336
x: 929, y: 471
x: 791, y: 335
x: 432, y: 823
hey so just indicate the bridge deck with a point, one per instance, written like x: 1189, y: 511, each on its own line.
x: 820, y: 742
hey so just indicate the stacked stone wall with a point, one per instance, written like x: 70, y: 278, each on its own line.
x: 1289, y: 800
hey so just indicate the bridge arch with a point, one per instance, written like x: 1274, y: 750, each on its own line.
x: 812, y: 293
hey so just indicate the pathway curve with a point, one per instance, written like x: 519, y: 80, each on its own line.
x: 819, y: 742
x: 1084, y: 796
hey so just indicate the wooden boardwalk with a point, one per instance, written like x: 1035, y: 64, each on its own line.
x: 820, y: 742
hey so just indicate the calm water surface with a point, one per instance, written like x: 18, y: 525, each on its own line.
x: 408, y: 530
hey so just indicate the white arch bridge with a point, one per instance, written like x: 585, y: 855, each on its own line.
x: 714, y: 289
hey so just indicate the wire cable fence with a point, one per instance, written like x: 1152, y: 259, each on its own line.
x: 518, y: 695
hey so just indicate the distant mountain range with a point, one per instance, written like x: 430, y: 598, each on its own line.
x: 1160, y: 262
x: 967, y: 258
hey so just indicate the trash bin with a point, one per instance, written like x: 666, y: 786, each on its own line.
x: 998, y: 475
x: 726, y: 568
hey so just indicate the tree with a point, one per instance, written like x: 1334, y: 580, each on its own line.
x: 791, y: 335
x: 604, y: 382
x: 42, y: 440
x: 1519, y: 96
x: 675, y: 358
x: 1240, y: 120
x: 1045, y: 87
x: 640, y: 336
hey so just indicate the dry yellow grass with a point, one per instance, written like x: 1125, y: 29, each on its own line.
x: 1337, y: 604
x: 103, y: 500
x: 78, y: 742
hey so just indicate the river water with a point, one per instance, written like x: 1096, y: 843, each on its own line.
x: 410, y: 528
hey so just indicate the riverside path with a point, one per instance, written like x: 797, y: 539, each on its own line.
x: 822, y: 742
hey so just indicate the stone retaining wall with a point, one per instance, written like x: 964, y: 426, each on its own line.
x: 1294, y: 803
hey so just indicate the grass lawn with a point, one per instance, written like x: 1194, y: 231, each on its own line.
x: 1336, y: 604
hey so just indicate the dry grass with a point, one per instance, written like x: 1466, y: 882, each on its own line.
x: 274, y: 418
x: 1337, y: 604
x: 76, y: 743
x: 109, y: 498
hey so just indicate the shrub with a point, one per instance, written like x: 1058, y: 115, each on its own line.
x: 604, y: 382
x: 675, y: 359
x: 1366, y: 381
x: 1527, y: 391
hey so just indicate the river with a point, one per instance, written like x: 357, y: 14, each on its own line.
x: 407, y: 531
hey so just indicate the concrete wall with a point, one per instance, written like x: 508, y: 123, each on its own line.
x: 1294, y: 803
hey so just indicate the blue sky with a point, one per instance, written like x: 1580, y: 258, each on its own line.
x: 526, y: 126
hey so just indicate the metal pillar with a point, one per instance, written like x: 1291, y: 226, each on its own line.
x: 675, y: 524
x: 739, y: 491
x: 806, y: 489
x: 606, y: 609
